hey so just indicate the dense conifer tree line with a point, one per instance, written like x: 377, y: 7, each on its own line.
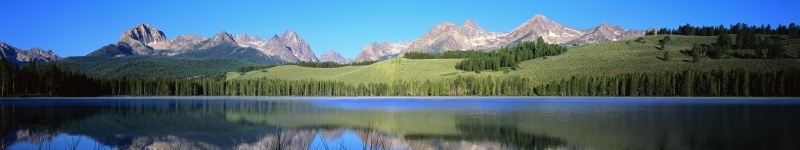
x: 52, y: 80
x: 330, y: 64
x: 48, y: 79
x: 306, y: 64
x: 252, y: 68
x: 495, y: 60
x: 792, y: 30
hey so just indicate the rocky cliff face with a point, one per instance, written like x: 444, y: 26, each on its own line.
x: 333, y: 56
x: 183, y: 43
x: 480, y: 39
x: 377, y: 51
x: 220, y: 38
x: 144, y: 39
x: 550, y: 31
x: 447, y: 36
x: 18, y: 55
x: 297, y: 46
x: 288, y: 46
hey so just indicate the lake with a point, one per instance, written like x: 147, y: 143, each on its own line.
x: 400, y: 123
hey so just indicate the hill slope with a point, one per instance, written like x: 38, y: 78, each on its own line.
x: 618, y: 57
x: 384, y: 71
x: 159, y: 66
x: 610, y: 58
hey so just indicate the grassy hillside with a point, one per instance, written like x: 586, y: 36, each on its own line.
x: 593, y: 59
x: 384, y: 71
x: 628, y: 56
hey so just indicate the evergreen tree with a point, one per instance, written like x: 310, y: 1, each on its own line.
x: 650, y: 32
x: 794, y: 30
x: 724, y: 40
x: 664, y: 42
x: 695, y: 52
x: 775, y: 50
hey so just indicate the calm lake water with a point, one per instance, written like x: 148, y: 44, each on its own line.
x: 400, y: 123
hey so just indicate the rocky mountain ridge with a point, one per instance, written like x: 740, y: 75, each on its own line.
x: 605, y: 33
x: 36, y: 54
x: 470, y: 36
x: 333, y: 56
x: 144, y: 39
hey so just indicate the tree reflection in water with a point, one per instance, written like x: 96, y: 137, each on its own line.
x: 246, y: 123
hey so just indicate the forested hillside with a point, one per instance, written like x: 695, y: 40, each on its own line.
x: 154, y: 66
x: 231, y: 51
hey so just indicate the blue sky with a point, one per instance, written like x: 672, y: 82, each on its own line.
x: 76, y: 28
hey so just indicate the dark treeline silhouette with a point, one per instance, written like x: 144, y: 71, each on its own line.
x: 47, y: 79
x: 252, y: 68
x: 306, y: 64
x: 503, y: 58
x: 792, y: 30
x: 444, y: 55
x: 683, y: 83
x: 331, y: 64
x: 51, y: 80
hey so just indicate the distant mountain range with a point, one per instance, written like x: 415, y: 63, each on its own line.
x: 18, y: 56
x: 146, y: 40
x: 447, y: 36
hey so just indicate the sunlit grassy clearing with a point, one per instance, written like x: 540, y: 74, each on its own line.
x: 384, y: 71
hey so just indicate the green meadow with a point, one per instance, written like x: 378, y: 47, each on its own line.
x: 603, y: 59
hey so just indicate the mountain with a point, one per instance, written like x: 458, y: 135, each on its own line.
x: 550, y: 31
x: 146, y: 40
x: 220, y: 38
x: 333, y: 56
x: 606, y: 33
x: 376, y: 51
x: 183, y: 43
x: 470, y: 36
x: 448, y: 36
x: 17, y: 55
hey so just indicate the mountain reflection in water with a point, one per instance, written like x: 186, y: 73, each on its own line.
x: 399, y: 123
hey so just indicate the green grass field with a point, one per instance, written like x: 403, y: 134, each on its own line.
x: 384, y: 71
x: 593, y: 59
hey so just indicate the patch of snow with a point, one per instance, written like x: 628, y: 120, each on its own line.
x: 551, y: 34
